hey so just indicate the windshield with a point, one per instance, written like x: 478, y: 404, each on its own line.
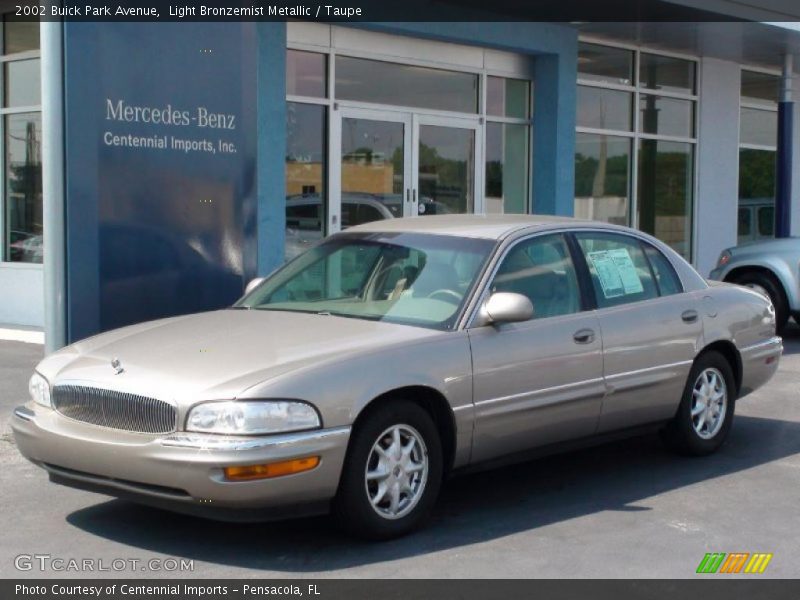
x: 414, y: 279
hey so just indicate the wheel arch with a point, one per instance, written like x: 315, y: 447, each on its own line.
x: 433, y: 402
x: 731, y: 353
x: 769, y: 270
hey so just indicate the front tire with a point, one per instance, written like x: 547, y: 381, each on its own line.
x: 392, y: 474
x: 705, y: 415
x: 771, y: 287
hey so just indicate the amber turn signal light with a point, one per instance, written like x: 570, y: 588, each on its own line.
x: 277, y: 469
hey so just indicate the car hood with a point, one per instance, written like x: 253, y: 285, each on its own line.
x: 218, y: 355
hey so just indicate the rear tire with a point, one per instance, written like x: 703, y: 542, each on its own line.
x: 392, y: 473
x: 766, y: 283
x: 705, y: 415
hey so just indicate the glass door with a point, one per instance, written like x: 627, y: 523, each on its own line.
x: 372, y: 170
x: 447, y: 166
x: 388, y: 164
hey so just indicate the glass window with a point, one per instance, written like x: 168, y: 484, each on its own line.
x: 745, y: 224
x: 759, y: 127
x: 23, y: 187
x: 760, y: 88
x: 541, y: 269
x: 756, y: 193
x: 372, y: 170
x: 603, y: 63
x: 766, y: 221
x: 508, y: 97
x: 619, y: 270
x: 23, y: 83
x: 666, y: 277
x: 403, y: 278
x: 446, y: 170
x: 667, y: 74
x: 19, y: 35
x: 665, y: 192
x: 306, y: 74
x: 602, y: 167
x: 666, y: 116
x: 604, y: 109
x: 507, y: 166
x: 757, y: 175
x: 405, y: 85
x: 305, y: 176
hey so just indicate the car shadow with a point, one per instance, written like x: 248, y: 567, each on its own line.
x: 472, y: 508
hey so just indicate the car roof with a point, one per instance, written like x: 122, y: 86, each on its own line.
x: 476, y: 226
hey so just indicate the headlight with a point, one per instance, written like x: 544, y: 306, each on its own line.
x: 724, y: 258
x: 246, y: 417
x: 39, y: 390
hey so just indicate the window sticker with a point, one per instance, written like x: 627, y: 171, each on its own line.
x: 616, y: 272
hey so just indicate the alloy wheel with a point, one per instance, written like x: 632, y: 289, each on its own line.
x: 709, y: 403
x: 396, y: 472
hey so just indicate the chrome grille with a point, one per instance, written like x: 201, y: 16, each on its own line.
x: 118, y: 410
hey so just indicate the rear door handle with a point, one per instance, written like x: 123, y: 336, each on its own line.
x: 583, y: 336
x: 689, y: 316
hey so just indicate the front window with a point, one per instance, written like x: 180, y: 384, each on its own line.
x: 404, y: 278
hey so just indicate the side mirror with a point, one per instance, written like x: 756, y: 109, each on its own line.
x: 253, y: 284
x: 506, y: 307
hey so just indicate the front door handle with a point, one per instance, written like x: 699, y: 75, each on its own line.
x: 689, y: 316
x: 583, y: 336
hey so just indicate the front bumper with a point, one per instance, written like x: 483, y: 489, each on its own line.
x: 182, y: 471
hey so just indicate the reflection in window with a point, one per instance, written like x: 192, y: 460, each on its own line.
x: 601, y: 108
x: 756, y: 193
x: 405, y: 85
x: 665, y: 73
x: 305, y: 176
x: 19, y: 35
x: 602, y: 167
x: 507, y: 97
x: 759, y: 127
x: 306, y: 74
x: 665, y: 192
x: 760, y: 88
x: 507, y: 161
x: 666, y: 116
x: 446, y: 170
x: 541, y: 269
x: 23, y: 187
x: 605, y: 64
x: 22, y: 83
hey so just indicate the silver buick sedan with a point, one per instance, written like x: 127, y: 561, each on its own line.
x: 361, y: 374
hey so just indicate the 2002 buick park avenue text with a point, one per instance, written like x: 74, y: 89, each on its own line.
x: 360, y: 375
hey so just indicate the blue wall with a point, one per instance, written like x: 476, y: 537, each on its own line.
x: 160, y: 145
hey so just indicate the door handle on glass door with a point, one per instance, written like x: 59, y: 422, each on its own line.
x: 583, y: 336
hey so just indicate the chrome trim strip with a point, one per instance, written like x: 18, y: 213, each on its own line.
x: 554, y: 388
x: 680, y: 363
x: 24, y: 413
x: 210, y: 441
x: 773, y: 341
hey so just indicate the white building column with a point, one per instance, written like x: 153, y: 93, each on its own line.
x: 717, y: 198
